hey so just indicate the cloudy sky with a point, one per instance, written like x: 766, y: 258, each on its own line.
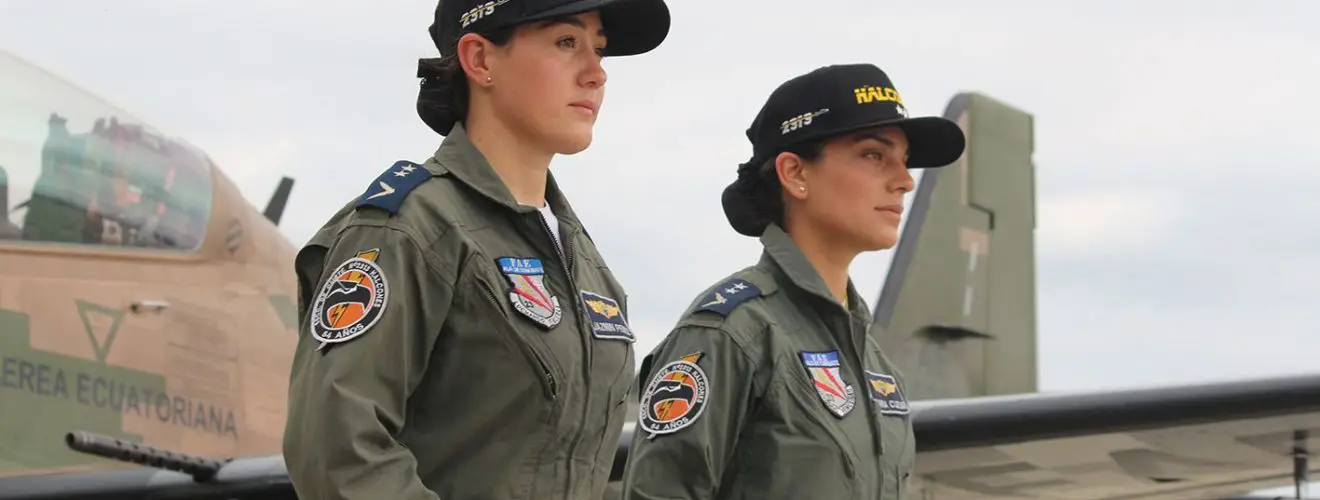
x: 1175, y: 143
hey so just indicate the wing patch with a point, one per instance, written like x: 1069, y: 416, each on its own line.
x: 728, y: 295
x: 351, y: 300
x: 388, y: 190
x: 886, y: 394
x: 675, y: 397
x: 607, y: 321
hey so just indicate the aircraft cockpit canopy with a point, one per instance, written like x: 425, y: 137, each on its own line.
x: 77, y: 170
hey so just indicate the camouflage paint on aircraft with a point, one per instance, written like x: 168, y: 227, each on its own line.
x: 65, y: 393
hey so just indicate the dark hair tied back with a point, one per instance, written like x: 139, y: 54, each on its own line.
x: 443, y: 97
x: 756, y: 199
x: 442, y: 100
x: 753, y: 201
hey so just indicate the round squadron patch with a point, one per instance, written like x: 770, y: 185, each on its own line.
x: 674, y: 399
x: 351, y: 300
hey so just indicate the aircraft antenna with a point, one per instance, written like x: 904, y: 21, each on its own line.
x: 202, y: 469
x: 1300, y: 466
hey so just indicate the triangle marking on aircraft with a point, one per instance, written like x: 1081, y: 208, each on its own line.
x: 102, y: 325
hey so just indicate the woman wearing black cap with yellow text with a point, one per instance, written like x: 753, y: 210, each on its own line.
x: 460, y: 337
x: 770, y: 387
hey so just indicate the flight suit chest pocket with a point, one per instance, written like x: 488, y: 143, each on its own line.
x: 612, y: 337
x: 495, y: 318
x: 819, y: 384
x: 893, y: 422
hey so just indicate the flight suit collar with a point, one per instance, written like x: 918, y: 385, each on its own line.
x: 457, y: 155
x: 782, y: 252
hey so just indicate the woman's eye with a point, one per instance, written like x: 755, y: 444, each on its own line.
x: 567, y: 42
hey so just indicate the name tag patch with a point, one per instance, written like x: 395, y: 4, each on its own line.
x: 886, y: 394
x: 607, y: 321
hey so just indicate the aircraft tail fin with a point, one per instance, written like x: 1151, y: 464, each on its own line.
x: 275, y: 207
x: 957, y: 313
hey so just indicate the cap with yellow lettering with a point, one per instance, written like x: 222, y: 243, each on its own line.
x: 838, y: 99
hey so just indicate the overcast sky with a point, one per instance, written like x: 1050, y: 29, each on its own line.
x: 1175, y: 144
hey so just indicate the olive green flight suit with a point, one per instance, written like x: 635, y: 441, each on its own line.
x: 466, y: 359
x: 769, y: 389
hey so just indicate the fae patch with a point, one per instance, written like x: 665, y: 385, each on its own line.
x: 528, y: 292
x: 823, y: 368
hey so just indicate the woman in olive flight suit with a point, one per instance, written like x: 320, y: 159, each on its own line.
x: 460, y: 336
x: 770, y: 387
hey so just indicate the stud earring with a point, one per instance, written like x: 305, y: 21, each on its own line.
x: 803, y: 189
x: 488, y: 79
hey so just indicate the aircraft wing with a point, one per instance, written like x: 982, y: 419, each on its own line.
x: 1212, y: 440
x: 1192, y: 441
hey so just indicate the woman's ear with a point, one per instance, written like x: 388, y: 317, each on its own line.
x: 791, y: 171
x: 474, y: 54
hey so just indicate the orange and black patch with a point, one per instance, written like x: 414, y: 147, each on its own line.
x: 675, y: 398
x: 351, y: 300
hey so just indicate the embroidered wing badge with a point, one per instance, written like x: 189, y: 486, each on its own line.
x: 607, y: 321
x: 887, y: 395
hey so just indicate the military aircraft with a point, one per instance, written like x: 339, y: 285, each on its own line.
x: 957, y: 313
x: 142, y: 297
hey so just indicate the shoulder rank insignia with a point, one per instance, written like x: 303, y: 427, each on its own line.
x: 391, y: 187
x: 724, y: 298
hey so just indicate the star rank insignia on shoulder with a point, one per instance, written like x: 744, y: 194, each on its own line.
x: 388, y: 191
x: 727, y: 296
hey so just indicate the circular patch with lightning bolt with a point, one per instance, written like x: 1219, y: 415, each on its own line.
x: 351, y: 300
x: 674, y: 399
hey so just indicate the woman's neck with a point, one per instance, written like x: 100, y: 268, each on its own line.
x: 830, y: 260
x: 522, y: 166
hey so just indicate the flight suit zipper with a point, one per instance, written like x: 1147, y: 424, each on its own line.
x: 873, y: 418
x: 548, y: 383
x: 565, y: 251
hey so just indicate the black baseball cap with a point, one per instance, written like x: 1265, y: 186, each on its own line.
x: 633, y: 26
x: 838, y: 99
x: 827, y: 102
